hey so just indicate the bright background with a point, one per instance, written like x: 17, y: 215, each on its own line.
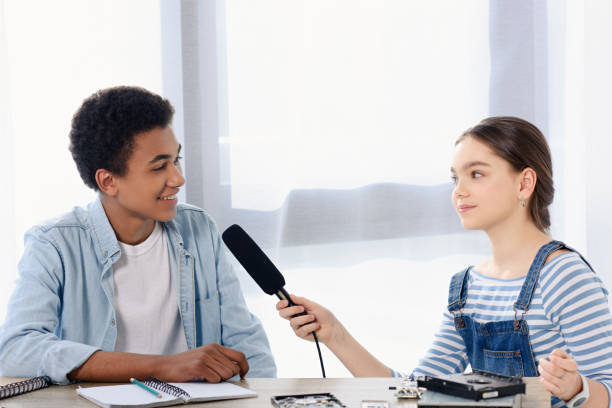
x: 325, y: 128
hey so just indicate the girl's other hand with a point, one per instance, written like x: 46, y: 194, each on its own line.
x: 559, y: 375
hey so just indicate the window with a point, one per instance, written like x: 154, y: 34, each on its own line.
x: 56, y: 56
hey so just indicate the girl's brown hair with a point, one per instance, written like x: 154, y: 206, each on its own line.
x: 522, y: 145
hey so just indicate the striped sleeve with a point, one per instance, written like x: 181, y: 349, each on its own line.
x: 447, y: 354
x: 576, y: 301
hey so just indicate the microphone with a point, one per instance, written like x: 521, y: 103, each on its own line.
x: 256, y: 263
x: 260, y: 267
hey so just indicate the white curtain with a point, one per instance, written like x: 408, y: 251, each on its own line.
x: 52, y: 56
x: 8, y: 255
x: 325, y: 129
x: 595, y: 50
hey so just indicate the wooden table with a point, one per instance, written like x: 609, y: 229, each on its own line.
x: 351, y: 391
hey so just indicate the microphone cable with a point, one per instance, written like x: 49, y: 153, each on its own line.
x: 319, y: 351
x: 283, y: 295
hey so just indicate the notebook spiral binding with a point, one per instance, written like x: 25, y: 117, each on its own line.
x: 21, y: 387
x: 162, y: 386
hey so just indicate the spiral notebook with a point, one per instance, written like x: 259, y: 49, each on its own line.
x: 21, y: 387
x: 130, y: 395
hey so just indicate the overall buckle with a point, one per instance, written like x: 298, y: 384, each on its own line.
x: 459, y: 320
x: 517, y: 321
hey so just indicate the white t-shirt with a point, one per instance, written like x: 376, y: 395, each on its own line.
x: 147, y: 313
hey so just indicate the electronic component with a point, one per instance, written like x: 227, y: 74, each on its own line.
x: 321, y: 400
x: 476, y: 385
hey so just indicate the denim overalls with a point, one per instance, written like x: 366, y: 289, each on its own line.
x: 501, y: 347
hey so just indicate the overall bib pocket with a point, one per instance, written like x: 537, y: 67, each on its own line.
x: 504, y: 362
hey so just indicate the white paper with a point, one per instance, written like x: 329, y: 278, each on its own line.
x: 130, y: 395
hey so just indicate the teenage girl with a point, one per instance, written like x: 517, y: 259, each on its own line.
x: 535, y: 307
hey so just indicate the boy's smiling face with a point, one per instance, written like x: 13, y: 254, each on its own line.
x: 149, y: 188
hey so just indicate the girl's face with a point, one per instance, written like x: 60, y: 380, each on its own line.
x: 486, y: 186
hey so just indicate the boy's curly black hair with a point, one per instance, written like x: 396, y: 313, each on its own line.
x: 103, y: 129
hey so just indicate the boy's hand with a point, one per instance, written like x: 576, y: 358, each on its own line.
x: 211, y: 362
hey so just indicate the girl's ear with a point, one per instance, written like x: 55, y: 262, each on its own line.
x: 106, y: 182
x: 528, y: 179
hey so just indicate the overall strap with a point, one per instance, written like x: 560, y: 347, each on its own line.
x: 581, y: 257
x: 457, y: 293
x: 524, y: 299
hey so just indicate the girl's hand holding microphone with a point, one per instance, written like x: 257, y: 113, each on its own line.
x: 333, y: 334
x: 317, y: 319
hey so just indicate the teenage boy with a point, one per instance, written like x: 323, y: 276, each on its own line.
x: 135, y: 285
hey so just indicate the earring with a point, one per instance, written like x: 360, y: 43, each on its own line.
x: 523, y: 203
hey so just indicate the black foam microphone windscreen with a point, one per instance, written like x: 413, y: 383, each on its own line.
x: 253, y: 259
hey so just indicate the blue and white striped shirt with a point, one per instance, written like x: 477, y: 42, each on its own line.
x: 569, y: 310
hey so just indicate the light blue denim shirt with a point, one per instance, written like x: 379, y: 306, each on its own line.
x: 62, y: 311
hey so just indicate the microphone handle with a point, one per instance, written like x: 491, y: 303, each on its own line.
x: 283, y: 295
